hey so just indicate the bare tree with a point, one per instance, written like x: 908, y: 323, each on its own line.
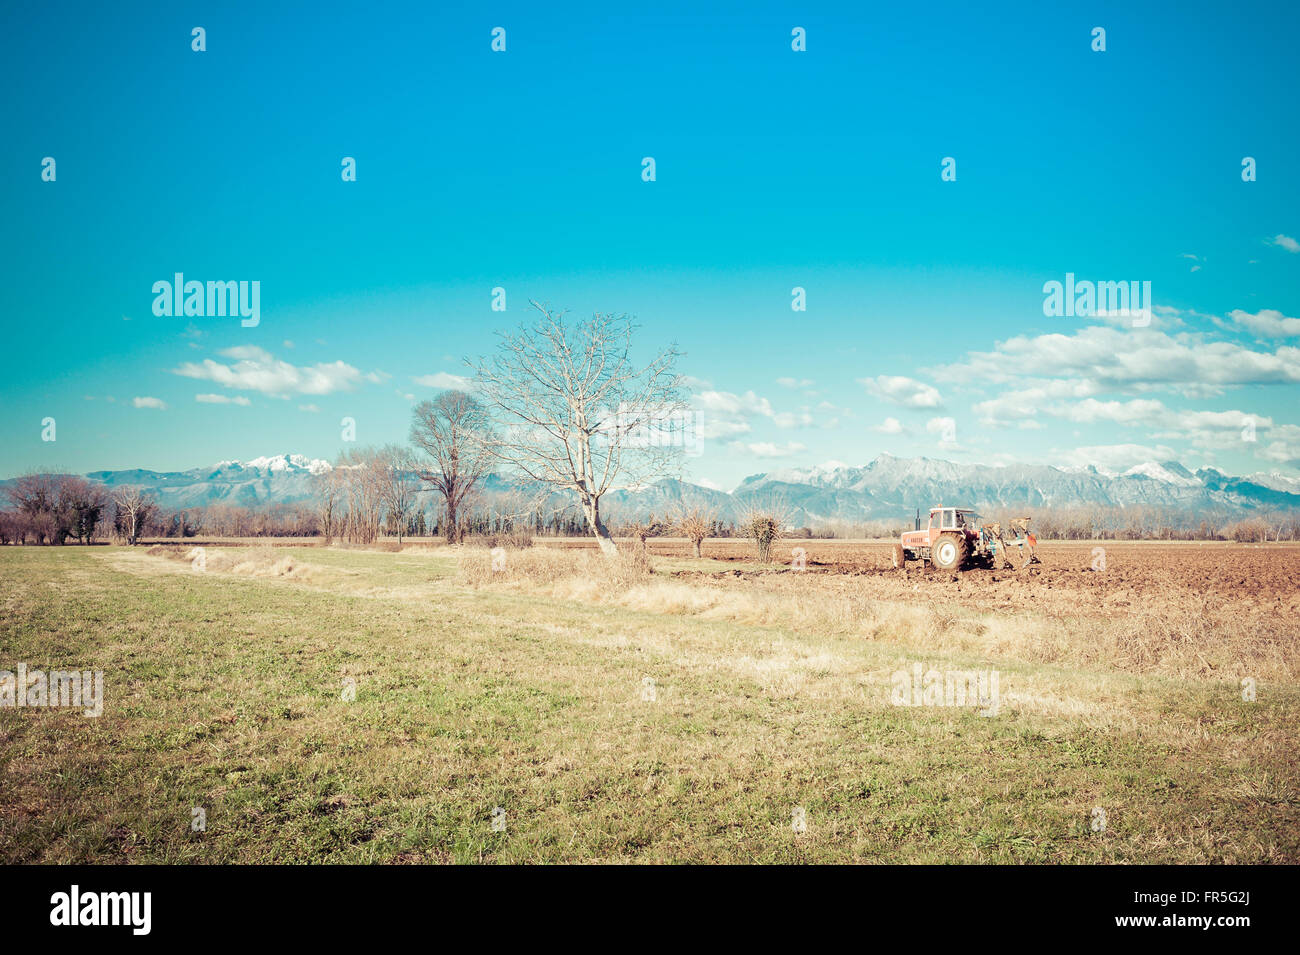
x: 36, y: 498
x: 695, y: 524
x: 452, y: 432
x: 79, y: 506
x: 641, y: 529
x: 13, y: 528
x: 360, y: 478
x: 134, y: 509
x: 398, y: 485
x: 329, y: 493
x: 575, y: 413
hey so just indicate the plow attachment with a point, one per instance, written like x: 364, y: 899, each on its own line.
x: 1013, y: 547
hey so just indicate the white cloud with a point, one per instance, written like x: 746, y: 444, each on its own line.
x: 1023, y: 404
x: 904, y: 391
x: 1090, y: 410
x: 726, y: 414
x: 444, y: 379
x: 211, y: 399
x: 946, y: 428
x: 1215, y: 430
x: 711, y: 428
x: 767, y: 449
x: 889, y: 426
x: 792, y: 419
x: 150, y: 403
x: 1285, y: 242
x: 723, y: 414
x: 726, y: 402
x: 1138, y: 359
x: 1267, y: 323
x: 312, y: 408
x: 1285, y: 448
x: 1115, y: 457
x: 255, y: 369
x: 1203, y: 429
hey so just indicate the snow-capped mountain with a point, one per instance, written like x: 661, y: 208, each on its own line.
x: 1276, y: 481
x: 885, y: 489
x: 889, y: 488
x: 1171, y: 472
x: 286, y: 463
x: 275, y: 479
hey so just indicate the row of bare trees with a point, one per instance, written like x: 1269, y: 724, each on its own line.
x: 368, y: 491
x: 55, y: 508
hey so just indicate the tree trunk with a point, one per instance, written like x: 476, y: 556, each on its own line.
x: 591, y: 508
x: 453, y: 528
x: 697, y: 547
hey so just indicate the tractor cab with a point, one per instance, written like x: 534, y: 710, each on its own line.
x: 957, y: 521
x: 953, y: 519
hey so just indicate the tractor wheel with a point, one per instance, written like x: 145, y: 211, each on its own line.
x: 900, y: 557
x: 949, y: 552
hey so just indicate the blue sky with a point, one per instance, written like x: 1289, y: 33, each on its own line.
x: 775, y: 169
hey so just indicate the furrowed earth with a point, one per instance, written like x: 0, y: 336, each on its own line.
x: 681, y: 712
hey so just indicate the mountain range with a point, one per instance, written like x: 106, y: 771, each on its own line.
x: 885, y: 489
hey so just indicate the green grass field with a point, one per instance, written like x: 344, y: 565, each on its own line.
x: 224, y: 691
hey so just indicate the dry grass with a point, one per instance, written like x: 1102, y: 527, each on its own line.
x: 262, y: 561
x: 538, y: 567
x: 1169, y: 633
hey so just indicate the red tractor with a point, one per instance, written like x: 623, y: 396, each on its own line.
x: 957, y: 538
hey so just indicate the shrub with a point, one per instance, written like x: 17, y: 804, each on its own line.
x: 478, y: 566
x: 694, y: 524
x: 764, y: 525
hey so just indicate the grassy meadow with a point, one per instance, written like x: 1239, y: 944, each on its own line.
x: 611, y: 714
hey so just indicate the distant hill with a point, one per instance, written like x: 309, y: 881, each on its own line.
x: 885, y: 489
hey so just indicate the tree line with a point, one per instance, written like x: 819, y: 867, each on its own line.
x: 58, y: 508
